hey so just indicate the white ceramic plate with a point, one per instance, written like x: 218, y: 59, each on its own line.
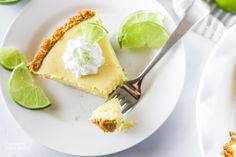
x: 65, y: 126
x: 216, y: 100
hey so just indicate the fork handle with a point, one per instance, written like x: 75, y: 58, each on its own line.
x: 194, y: 14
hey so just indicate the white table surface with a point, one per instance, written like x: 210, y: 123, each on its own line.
x: 176, y: 138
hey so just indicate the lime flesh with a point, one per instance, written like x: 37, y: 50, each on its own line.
x: 227, y: 5
x: 144, y: 34
x: 10, y: 57
x: 140, y: 16
x: 24, y: 92
x: 93, y: 32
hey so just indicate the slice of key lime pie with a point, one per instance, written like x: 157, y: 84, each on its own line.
x: 79, y: 54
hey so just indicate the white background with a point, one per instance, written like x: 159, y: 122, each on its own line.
x: 176, y: 138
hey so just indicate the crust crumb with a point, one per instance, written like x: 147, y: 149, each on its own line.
x: 48, y: 43
x: 227, y: 150
x: 105, y: 125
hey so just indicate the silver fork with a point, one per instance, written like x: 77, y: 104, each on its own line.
x: 130, y: 92
x: 213, y: 26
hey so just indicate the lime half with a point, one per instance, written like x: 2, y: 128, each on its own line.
x: 140, y: 16
x: 144, y: 34
x: 10, y: 57
x: 24, y: 92
x: 93, y: 32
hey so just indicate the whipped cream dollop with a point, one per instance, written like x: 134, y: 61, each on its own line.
x: 82, y: 58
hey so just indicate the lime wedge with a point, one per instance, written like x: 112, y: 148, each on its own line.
x: 24, y: 92
x: 227, y: 5
x: 10, y: 57
x: 144, y: 34
x: 8, y: 1
x: 93, y: 32
x: 140, y: 16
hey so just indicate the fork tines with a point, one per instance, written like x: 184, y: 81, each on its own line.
x: 127, y: 100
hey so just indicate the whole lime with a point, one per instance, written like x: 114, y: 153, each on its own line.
x: 227, y: 5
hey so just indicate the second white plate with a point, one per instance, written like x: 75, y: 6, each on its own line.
x: 216, y: 100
